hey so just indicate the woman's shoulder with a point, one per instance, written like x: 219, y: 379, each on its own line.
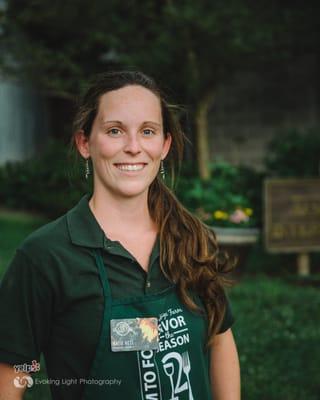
x: 65, y: 237
x: 46, y: 238
x: 57, y: 232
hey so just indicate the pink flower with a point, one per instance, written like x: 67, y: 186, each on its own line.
x: 238, y: 216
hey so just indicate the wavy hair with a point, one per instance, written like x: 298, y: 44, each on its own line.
x: 189, y: 252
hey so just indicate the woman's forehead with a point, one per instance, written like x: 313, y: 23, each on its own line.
x: 130, y: 101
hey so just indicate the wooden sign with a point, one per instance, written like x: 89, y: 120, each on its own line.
x: 292, y: 215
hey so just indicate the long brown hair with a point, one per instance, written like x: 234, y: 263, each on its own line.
x: 189, y: 252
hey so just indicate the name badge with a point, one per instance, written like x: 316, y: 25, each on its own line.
x: 134, y: 334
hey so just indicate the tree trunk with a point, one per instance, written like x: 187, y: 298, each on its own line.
x: 202, y: 136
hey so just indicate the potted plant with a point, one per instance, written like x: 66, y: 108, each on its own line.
x: 229, y: 203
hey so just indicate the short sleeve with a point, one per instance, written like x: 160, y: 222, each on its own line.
x: 228, y: 319
x: 25, y: 311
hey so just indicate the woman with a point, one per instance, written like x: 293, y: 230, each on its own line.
x: 124, y: 294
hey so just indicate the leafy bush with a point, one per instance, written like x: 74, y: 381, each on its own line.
x: 232, y: 197
x: 277, y: 331
x: 294, y: 154
x: 50, y: 183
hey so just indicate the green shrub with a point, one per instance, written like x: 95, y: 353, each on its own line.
x: 230, y: 188
x: 50, y: 183
x: 294, y: 154
x: 277, y: 334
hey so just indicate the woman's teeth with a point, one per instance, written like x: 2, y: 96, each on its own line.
x: 130, y: 167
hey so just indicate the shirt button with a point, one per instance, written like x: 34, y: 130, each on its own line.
x: 148, y: 284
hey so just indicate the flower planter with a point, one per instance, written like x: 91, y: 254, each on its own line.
x: 236, y: 236
x: 237, y: 242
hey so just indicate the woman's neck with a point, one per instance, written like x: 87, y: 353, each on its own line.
x: 120, y: 216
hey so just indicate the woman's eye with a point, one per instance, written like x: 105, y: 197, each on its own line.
x: 148, y: 132
x: 114, y: 132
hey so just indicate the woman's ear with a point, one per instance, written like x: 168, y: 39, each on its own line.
x: 166, y: 145
x: 82, y: 143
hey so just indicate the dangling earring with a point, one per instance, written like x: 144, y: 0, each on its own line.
x: 87, y: 173
x: 162, y: 170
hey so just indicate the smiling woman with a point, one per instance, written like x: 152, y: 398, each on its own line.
x: 126, y: 144
x: 128, y: 286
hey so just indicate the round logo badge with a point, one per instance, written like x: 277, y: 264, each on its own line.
x: 122, y: 328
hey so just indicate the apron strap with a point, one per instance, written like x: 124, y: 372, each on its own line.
x: 103, y: 274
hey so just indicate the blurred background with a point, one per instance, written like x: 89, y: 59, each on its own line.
x: 246, y: 77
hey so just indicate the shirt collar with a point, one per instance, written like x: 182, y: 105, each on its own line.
x: 83, y: 228
x: 85, y: 231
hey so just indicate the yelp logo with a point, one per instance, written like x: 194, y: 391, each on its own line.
x: 23, y: 381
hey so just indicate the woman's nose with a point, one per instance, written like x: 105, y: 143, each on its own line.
x: 132, y: 144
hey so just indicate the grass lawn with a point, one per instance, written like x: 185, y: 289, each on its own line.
x: 277, y: 328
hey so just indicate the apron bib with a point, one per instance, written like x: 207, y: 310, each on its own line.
x: 177, y: 370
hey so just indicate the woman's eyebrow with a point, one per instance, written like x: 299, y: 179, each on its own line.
x: 121, y: 123
x: 112, y: 122
x: 151, y: 123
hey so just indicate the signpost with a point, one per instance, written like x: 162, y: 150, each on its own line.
x: 292, y: 218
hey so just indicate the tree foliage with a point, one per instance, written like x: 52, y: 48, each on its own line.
x: 191, y: 47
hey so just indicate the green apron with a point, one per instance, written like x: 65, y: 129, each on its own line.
x: 177, y: 370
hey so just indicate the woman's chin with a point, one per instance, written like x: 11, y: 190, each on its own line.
x: 131, y: 192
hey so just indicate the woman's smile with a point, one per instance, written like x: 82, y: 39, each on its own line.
x: 130, y: 167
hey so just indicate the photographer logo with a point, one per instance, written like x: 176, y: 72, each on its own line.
x: 23, y: 381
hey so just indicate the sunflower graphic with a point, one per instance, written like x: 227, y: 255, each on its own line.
x: 149, y: 328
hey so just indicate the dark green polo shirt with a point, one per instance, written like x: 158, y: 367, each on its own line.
x: 51, y: 299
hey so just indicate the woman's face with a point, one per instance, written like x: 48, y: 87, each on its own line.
x: 127, y: 142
